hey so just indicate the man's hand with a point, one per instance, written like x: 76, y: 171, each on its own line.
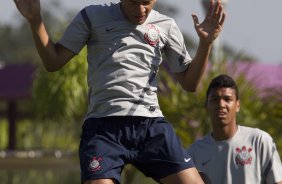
x: 210, y: 28
x: 30, y: 9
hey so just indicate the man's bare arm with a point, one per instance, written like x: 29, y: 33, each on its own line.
x: 207, y: 31
x: 54, y: 56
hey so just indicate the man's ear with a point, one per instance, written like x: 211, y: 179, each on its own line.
x: 238, y: 106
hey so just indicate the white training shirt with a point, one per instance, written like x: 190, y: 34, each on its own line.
x: 123, y: 59
x: 249, y: 157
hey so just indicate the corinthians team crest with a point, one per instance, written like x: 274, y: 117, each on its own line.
x: 94, y: 164
x: 152, y: 36
x: 243, y: 156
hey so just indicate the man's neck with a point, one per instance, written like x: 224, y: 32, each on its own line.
x: 224, y: 132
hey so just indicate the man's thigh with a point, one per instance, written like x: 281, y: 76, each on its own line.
x: 162, y: 153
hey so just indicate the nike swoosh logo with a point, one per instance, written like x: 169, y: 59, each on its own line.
x: 204, y: 163
x: 109, y: 29
x: 187, y: 159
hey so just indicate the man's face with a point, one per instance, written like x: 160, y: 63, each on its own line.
x: 222, y: 106
x: 137, y: 11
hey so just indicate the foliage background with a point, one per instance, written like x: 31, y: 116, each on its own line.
x: 59, y: 102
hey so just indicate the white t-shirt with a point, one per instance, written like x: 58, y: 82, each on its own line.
x: 249, y: 157
x: 123, y: 59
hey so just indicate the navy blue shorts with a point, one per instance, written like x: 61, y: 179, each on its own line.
x: 150, y: 144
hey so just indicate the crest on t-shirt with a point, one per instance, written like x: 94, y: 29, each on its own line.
x: 94, y: 164
x: 243, y: 156
x: 152, y: 36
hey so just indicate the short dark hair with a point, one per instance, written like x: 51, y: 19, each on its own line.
x: 223, y: 81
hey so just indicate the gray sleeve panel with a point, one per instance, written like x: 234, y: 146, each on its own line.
x: 77, y: 33
x: 178, y: 57
x: 272, y: 166
x: 86, y: 18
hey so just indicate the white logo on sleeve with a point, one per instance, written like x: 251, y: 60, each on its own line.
x: 187, y: 159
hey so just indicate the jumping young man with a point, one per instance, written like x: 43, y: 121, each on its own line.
x: 124, y: 123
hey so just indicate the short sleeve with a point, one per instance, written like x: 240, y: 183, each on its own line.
x: 271, y: 166
x: 76, y: 35
x: 177, y: 56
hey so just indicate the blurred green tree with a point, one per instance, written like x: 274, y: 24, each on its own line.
x: 60, y: 100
